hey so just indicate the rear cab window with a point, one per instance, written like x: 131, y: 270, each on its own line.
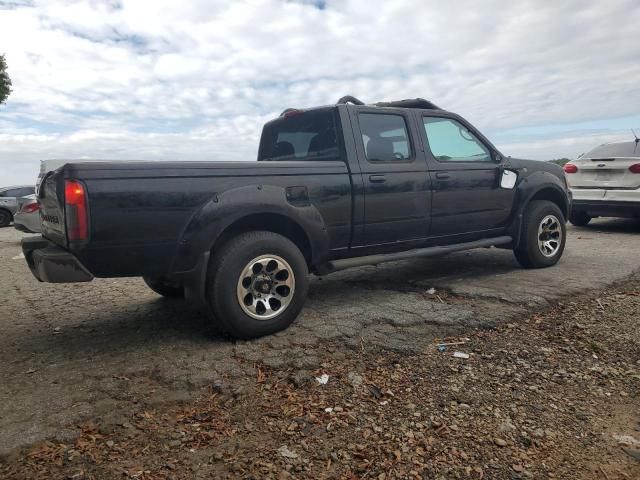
x: 302, y: 135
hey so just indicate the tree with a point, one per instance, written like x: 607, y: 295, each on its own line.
x: 5, y: 81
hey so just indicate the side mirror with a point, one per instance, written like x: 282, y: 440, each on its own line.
x: 508, y: 179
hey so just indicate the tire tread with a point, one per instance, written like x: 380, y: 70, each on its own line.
x: 226, y: 257
x: 527, y: 252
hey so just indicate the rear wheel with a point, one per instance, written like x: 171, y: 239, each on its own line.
x: 580, y: 219
x: 165, y: 287
x: 5, y: 218
x: 543, y: 235
x: 257, y: 284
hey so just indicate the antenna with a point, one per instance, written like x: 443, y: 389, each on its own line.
x: 636, y: 136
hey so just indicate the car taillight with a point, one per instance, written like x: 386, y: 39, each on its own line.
x: 570, y: 168
x: 30, y: 207
x: 635, y: 168
x: 75, y: 201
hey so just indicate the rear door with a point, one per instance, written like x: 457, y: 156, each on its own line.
x: 607, y: 167
x: 396, y: 182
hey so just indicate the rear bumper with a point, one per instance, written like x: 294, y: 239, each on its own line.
x: 607, y: 208
x: 50, y: 263
x: 608, y: 195
x: 21, y: 228
x: 27, y: 222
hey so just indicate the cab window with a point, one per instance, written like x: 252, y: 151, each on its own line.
x: 385, y: 137
x: 450, y: 141
x: 310, y: 135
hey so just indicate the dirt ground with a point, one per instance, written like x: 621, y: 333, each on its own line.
x: 124, y: 383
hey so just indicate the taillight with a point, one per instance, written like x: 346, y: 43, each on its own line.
x: 570, y: 168
x: 75, y: 201
x: 635, y: 168
x: 30, y: 207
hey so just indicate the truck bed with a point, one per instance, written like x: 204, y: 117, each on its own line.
x: 140, y: 212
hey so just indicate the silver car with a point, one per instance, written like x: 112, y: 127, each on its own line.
x: 27, y: 218
x: 9, y: 201
x: 605, y: 182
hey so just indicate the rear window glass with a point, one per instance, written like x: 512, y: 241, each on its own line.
x: 301, y: 136
x: 613, y: 150
x: 19, y: 192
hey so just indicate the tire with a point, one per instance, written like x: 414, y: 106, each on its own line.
x: 5, y: 218
x: 580, y: 219
x: 164, y: 287
x: 248, y: 273
x: 544, y: 235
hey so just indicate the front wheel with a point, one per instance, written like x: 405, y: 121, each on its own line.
x: 543, y: 237
x: 257, y: 284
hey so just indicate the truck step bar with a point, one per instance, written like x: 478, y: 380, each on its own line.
x: 345, y: 263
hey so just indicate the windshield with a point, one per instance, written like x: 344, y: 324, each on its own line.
x: 308, y: 135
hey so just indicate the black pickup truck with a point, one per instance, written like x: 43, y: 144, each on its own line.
x: 333, y: 187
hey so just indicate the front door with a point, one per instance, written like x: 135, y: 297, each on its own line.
x: 395, y: 179
x: 467, y: 198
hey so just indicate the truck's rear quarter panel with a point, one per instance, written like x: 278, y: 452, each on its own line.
x: 139, y: 211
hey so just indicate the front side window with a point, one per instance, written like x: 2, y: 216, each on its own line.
x: 450, y: 141
x: 385, y: 137
x: 310, y: 135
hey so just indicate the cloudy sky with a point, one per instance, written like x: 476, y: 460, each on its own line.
x: 195, y: 79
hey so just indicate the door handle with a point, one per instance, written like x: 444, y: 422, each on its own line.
x: 442, y: 176
x: 377, y: 178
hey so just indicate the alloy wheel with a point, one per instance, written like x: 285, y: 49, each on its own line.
x: 549, y: 235
x: 265, y: 287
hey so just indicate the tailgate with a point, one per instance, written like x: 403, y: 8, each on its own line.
x: 605, y: 173
x: 51, y: 199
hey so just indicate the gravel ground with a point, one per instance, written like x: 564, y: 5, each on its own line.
x: 97, y: 352
x: 554, y: 395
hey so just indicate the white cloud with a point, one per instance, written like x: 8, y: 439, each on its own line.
x: 195, y: 79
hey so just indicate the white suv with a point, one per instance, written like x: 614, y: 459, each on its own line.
x: 605, y: 182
